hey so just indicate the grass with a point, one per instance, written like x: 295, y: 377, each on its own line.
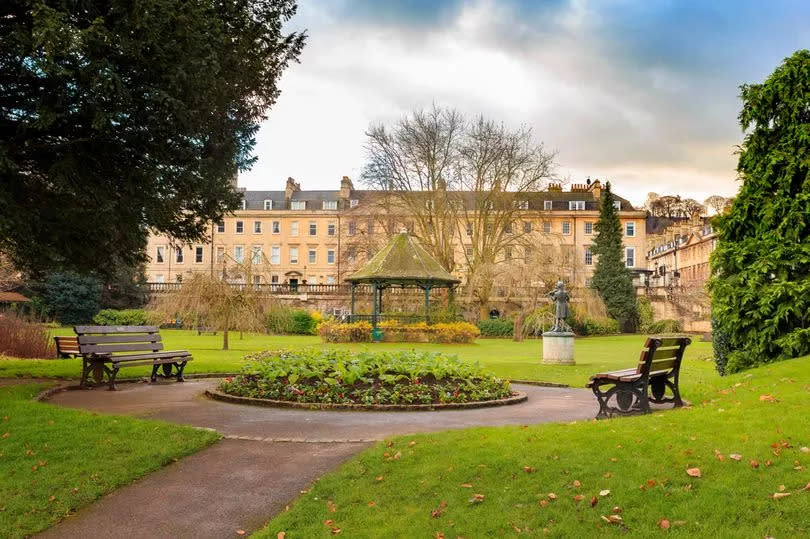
x: 506, y: 358
x: 392, y: 489
x: 54, y: 460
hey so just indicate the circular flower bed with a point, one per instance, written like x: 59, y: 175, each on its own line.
x: 342, y: 377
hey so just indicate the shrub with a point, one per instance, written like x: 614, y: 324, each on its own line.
x: 71, y: 298
x: 331, y: 331
x: 394, y: 331
x: 287, y: 321
x: 645, y: 313
x: 721, y: 345
x: 497, y: 327
x: 340, y: 376
x: 585, y: 325
x: 23, y: 338
x: 538, y: 321
x: 123, y: 317
x: 302, y: 323
x: 666, y: 325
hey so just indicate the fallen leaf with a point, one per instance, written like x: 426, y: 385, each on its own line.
x: 529, y: 469
x: 328, y: 522
x: 720, y: 457
x: 439, y: 511
x: 607, y: 475
x: 767, y: 398
x: 332, y: 507
x: 693, y: 472
x: 612, y: 519
x: 577, y: 484
x: 806, y: 487
x: 617, y: 509
x: 378, y: 478
x: 579, y: 498
x: 651, y: 483
x: 412, y: 443
x: 735, y: 456
x: 372, y: 504
x: 517, y: 530
x: 439, y: 535
x: 240, y: 532
x: 604, y: 492
x: 543, y: 503
x: 466, y: 485
x: 477, y: 498
x: 594, y: 501
x: 664, y: 524
x: 805, y: 449
x: 281, y: 535
x: 614, y: 459
x: 768, y: 463
x: 777, y: 495
x: 335, y: 531
x: 754, y: 463
x: 552, y: 496
x: 397, y: 455
x: 782, y: 488
x: 6, y: 435
x: 52, y: 498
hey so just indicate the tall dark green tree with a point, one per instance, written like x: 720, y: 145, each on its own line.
x: 121, y: 116
x: 761, y: 267
x: 611, y: 278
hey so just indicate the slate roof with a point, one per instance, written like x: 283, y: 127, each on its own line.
x: 403, y: 260
x: 255, y: 199
x: 12, y: 297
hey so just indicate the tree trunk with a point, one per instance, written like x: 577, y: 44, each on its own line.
x: 518, y: 332
x: 225, y: 339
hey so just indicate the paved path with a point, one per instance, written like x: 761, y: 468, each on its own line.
x: 268, y: 456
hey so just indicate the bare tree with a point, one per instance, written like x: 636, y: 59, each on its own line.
x: 690, y: 207
x: 227, y: 301
x: 10, y: 278
x: 412, y: 162
x: 460, y: 187
x: 716, y: 203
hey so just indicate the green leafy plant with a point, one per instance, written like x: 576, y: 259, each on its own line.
x: 496, y: 327
x: 123, y: 317
x: 339, y: 376
x: 761, y: 266
x: 71, y: 298
x: 666, y: 325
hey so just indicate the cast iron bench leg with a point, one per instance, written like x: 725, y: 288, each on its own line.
x: 111, y: 374
x: 153, y: 378
x: 180, y: 367
x: 86, y: 368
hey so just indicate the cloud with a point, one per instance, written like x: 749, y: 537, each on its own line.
x: 641, y: 93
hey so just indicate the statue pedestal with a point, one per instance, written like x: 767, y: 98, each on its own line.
x: 558, y: 348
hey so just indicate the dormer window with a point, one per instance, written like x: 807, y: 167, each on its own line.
x: 244, y: 204
x: 617, y: 204
x: 330, y: 204
x: 547, y: 204
x: 298, y: 204
x: 523, y: 204
x: 353, y: 203
x: 268, y: 204
x: 575, y: 205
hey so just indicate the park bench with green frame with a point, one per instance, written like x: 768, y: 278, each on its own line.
x: 105, y: 349
x: 633, y: 389
x: 67, y: 347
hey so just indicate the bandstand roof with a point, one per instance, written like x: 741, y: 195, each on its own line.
x: 403, y: 261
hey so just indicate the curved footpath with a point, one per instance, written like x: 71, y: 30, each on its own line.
x: 267, y: 457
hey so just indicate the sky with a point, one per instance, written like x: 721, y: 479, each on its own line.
x: 642, y: 93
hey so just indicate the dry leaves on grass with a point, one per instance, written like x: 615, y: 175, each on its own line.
x: 477, y: 498
x: 281, y: 535
x: 664, y: 524
x: 777, y: 495
x: 439, y: 511
x: 693, y: 472
x: 735, y: 456
x: 768, y: 398
x: 612, y: 519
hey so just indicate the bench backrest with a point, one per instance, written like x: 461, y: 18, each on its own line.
x: 662, y: 354
x: 66, y: 345
x: 114, y: 340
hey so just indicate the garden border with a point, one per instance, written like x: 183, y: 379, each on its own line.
x: 516, y: 398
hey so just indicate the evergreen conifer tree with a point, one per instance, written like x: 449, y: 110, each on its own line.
x: 611, y: 278
x: 761, y: 267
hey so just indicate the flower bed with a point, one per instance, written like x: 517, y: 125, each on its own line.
x: 394, y: 331
x: 342, y: 377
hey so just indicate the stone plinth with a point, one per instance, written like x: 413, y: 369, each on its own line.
x: 558, y: 348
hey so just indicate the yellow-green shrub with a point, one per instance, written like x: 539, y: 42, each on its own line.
x: 394, y: 331
x: 331, y: 331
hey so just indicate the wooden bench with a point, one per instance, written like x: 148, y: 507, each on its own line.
x: 105, y: 349
x: 67, y: 347
x: 633, y: 389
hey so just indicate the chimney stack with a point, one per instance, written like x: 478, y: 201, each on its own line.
x: 346, y: 188
x: 596, y: 189
x: 292, y: 187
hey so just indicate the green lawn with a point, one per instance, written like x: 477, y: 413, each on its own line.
x: 54, y: 460
x: 392, y: 489
x: 514, y: 360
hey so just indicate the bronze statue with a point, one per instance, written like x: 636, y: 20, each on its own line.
x: 560, y: 297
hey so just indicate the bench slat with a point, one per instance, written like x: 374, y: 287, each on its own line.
x: 158, y: 355
x: 109, y: 348
x: 115, y: 329
x: 668, y: 341
x: 104, y: 339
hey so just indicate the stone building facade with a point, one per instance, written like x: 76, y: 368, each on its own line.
x: 298, y: 236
